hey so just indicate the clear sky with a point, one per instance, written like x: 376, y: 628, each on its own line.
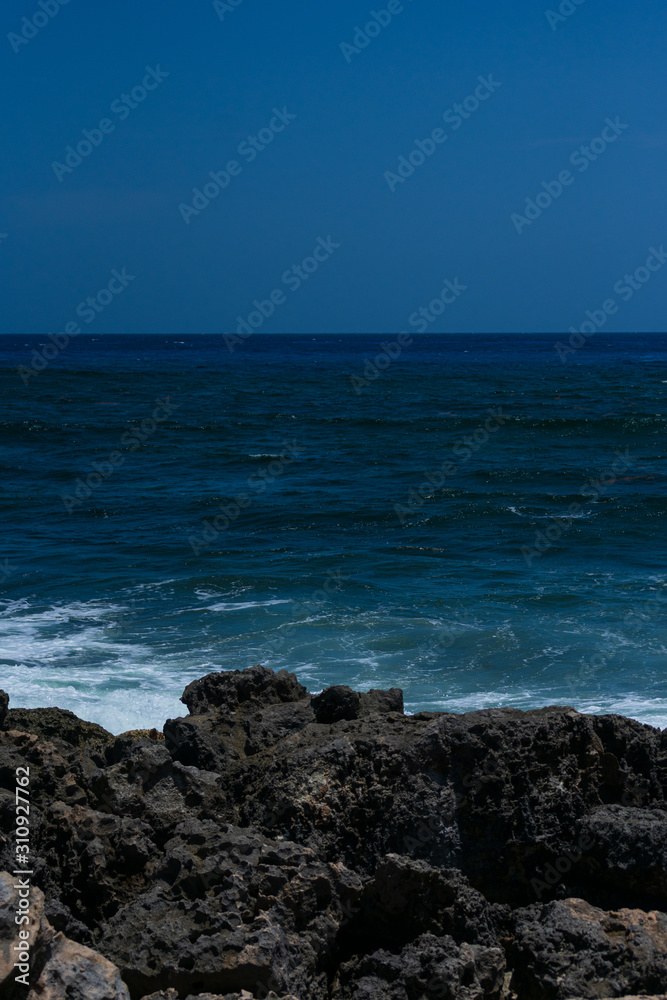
x: 337, y: 109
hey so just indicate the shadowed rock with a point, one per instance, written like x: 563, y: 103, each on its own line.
x: 336, y: 704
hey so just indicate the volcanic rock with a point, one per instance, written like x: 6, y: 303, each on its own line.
x: 329, y: 847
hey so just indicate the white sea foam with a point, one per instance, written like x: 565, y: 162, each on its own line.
x: 243, y: 605
x: 126, y: 671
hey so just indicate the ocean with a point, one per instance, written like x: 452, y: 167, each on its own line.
x: 476, y: 519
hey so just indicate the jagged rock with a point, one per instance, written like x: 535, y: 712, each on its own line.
x: 62, y: 919
x: 381, y: 701
x: 91, y: 860
x: 73, y: 972
x: 572, y: 949
x: 336, y: 704
x: 149, y: 785
x: 430, y: 966
x: 339, y: 703
x: 630, y: 849
x: 4, y: 703
x: 230, y: 689
x: 57, y: 969
x: 56, y: 725
x: 230, y: 908
x: 333, y: 848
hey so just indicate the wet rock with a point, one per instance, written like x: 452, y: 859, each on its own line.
x: 4, y: 703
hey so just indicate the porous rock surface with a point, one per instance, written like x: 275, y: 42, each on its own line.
x: 280, y: 845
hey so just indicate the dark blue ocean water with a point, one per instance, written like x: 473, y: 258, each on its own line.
x: 265, y: 511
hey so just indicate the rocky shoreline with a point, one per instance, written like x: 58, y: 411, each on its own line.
x: 275, y: 844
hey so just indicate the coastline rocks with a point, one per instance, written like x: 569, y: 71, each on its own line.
x: 281, y: 845
x: 427, y: 967
x: 73, y: 972
x: 341, y: 703
x: 571, y: 949
x: 55, y: 725
x: 227, y: 691
x: 633, y: 843
x: 10, y: 939
x: 57, y: 968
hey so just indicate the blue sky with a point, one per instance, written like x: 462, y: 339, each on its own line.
x: 338, y: 121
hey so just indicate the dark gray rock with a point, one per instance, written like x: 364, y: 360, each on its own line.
x: 571, y: 949
x: 336, y: 704
x: 333, y: 848
x: 230, y: 689
x: 381, y: 701
x: 628, y: 849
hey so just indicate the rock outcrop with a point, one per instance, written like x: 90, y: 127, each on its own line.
x: 280, y: 845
